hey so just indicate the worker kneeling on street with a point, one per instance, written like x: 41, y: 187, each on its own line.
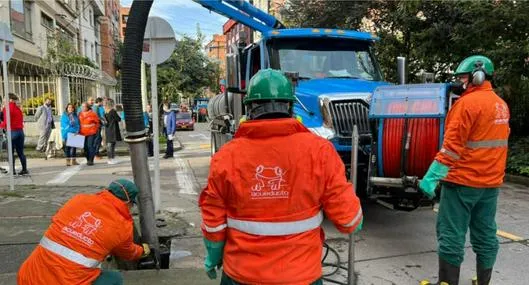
x: 82, y: 233
x: 268, y: 190
x: 471, y: 165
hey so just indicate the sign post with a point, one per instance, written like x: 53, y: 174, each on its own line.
x: 158, y: 45
x: 7, y: 48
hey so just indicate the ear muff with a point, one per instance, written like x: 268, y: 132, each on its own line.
x: 478, y: 74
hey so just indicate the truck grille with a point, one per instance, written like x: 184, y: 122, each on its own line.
x: 347, y: 113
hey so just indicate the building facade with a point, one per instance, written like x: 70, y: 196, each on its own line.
x: 233, y: 32
x: 216, y: 51
x: 123, y: 18
x: 45, y: 33
x: 272, y: 7
x: 110, y: 31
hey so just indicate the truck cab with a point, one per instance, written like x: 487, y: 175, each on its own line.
x: 336, y: 73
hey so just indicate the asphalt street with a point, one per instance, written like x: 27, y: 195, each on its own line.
x: 393, y: 248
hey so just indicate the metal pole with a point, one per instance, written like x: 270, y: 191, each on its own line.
x: 155, y: 127
x: 351, y: 277
x: 8, y: 119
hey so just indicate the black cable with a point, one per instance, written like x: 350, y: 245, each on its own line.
x: 337, y: 265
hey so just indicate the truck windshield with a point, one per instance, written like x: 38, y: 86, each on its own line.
x: 324, y: 58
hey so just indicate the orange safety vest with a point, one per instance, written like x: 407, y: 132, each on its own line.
x: 89, y: 122
x: 82, y: 233
x: 476, y: 137
x: 267, y: 192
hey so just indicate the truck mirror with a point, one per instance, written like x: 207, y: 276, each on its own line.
x: 233, y: 74
x: 401, y: 70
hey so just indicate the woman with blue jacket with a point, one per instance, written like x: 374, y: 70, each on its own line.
x: 69, y: 124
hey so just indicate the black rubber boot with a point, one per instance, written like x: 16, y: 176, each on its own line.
x: 484, y: 276
x: 448, y: 273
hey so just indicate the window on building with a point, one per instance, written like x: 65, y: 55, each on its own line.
x: 46, y: 21
x: 124, y: 19
x: 91, y: 15
x: 123, y: 31
x: 98, y: 53
x: 86, y: 48
x: 20, y: 13
x: 92, y: 53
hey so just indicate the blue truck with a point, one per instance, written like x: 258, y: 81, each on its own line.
x: 337, y: 79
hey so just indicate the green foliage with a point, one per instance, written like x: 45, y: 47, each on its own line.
x: 29, y: 106
x: 435, y: 36
x: 61, y: 49
x: 188, y: 71
x: 518, y: 159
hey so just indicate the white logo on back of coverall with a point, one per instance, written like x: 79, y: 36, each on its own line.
x: 502, y: 114
x: 269, y: 183
x: 85, y: 225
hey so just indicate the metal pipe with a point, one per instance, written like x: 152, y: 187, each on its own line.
x: 401, y: 69
x: 351, y: 277
x: 137, y: 22
x: 8, y: 118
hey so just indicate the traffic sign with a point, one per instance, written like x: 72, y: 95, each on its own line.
x: 158, y: 42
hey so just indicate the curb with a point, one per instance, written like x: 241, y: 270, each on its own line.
x: 522, y: 180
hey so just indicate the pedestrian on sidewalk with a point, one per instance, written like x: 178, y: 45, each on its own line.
x: 17, y: 131
x: 99, y: 109
x: 44, y: 118
x: 112, y: 132
x: 89, y: 125
x: 69, y: 125
x: 87, y: 229
x: 471, y: 166
x: 170, y: 127
x: 267, y: 192
x: 147, y: 119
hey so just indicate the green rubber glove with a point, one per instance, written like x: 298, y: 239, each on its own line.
x: 359, y: 228
x: 214, y: 252
x: 436, y: 172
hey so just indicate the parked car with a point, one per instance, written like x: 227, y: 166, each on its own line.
x: 184, y: 121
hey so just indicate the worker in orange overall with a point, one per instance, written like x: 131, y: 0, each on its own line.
x: 89, y: 126
x: 471, y: 166
x: 268, y: 191
x: 84, y: 231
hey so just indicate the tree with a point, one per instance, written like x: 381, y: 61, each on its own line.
x: 436, y: 35
x: 61, y: 49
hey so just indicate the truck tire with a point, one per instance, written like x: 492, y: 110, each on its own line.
x: 213, y: 143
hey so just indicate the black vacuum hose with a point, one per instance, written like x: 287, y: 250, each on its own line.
x: 131, y: 74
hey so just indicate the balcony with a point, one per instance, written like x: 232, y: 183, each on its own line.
x: 99, y: 7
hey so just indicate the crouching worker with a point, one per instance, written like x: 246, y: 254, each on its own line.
x: 267, y: 192
x: 82, y: 233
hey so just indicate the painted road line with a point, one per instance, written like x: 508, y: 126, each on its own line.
x: 509, y: 236
x: 184, y: 177
x: 499, y: 233
x: 64, y: 176
x: 205, y: 146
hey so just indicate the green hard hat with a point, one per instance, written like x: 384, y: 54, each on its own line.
x: 269, y: 84
x: 124, y: 189
x: 468, y: 65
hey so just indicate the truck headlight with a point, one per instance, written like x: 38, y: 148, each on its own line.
x: 324, y: 132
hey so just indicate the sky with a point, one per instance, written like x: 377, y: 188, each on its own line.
x: 184, y: 15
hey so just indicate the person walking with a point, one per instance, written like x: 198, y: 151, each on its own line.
x: 112, y: 131
x: 170, y: 128
x: 267, y: 193
x: 17, y: 131
x: 87, y: 229
x: 99, y: 109
x: 471, y: 167
x: 44, y: 118
x: 69, y: 125
x: 147, y: 119
x: 89, y: 125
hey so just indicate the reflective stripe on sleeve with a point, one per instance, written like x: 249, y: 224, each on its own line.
x: 450, y: 153
x: 214, y: 229
x: 487, y: 143
x: 69, y: 254
x: 355, y: 219
x: 276, y: 228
